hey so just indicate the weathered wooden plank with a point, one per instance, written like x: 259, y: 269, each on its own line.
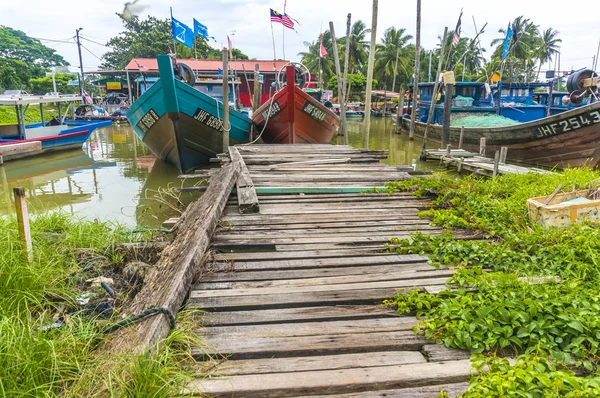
x: 375, y: 325
x: 227, y: 275
x: 321, y: 362
x: 296, y: 315
x: 376, y: 211
x: 326, y: 226
x: 268, y: 189
x: 305, y: 299
x: 396, y: 275
x: 280, y: 347
x: 246, y: 193
x: 276, y: 290
x: 338, y: 381
x: 440, y: 353
x: 319, y: 257
x: 234, y: 233
x: 168, y: 281
x: 399, y: 214
x: 19, y: 148
x: 453, y: 390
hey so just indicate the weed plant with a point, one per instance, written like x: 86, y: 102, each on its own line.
x: 46, y: 362
x: 524, y: 290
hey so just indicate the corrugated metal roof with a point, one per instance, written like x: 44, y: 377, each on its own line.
x: 208, y: 65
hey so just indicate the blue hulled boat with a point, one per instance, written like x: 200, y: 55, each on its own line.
x: 182, y: 125
x: 54, y: 135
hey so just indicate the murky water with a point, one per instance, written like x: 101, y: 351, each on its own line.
x: 115, y: 177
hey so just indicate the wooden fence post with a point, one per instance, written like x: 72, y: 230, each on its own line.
x: 462, y: 135
x: 503, y: 153
x: 496, y: 163
x: 23, y: 222
x: 482, y: 146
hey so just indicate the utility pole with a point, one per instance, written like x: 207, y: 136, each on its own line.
x: 367, y: 120
x: 415, y: 93
x: 81, y: 80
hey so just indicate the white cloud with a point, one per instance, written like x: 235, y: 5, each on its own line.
x: 249, y: 18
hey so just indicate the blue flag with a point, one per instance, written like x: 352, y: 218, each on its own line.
x: 506, y: 46
x: 200, y: 29
x: 182, y: 33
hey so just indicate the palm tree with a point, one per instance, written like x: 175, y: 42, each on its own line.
x: 359, y: 46
x: 548, y: 46
x: 312, y: 58
x: 524, y: 39
x: 393, y: 56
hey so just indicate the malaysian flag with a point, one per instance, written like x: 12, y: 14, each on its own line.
x: 287, y: 21
x: 456, y: 37
x: 275, y: 16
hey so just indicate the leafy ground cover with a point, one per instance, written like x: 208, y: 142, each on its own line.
x: 524, y: 291
x: 38, y: 359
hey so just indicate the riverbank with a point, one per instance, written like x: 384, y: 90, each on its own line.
x: 54, y: 313
x: 32, y: 115
x: 524, y: 291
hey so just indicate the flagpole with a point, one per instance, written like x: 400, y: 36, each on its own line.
x: 196, y: 55
x: 283, y: 30
x: 274, y: 55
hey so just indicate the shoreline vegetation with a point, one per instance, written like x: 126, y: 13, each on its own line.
x: 8, y: 114
x: 524, y: 291
x: 52, y: 317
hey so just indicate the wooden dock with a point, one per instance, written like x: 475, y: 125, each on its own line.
x: 295, y: 275
x: 478, y: 163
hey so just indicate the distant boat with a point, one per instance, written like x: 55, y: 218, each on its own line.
x: 182, y: 125
x: 570, y: 136
x: 310, y: 120
x: 95, y: 112
x: 55, y: 135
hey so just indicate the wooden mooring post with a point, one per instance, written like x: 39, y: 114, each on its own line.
x: 496, y: 163
x: 340, y: 80
x: 482, y: 146
x: 503, y: 153
x: 462, y: 135
x: 23, y: 222
x: 225, y: 100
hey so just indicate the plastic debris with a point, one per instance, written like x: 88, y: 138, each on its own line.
x: 54, y: 325
x: 96, y: 282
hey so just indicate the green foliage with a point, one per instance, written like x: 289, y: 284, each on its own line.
x: 541, y: 298
x: 43, y: 85
x: 23, y: 57
x: 63, y: 361
x: 530, y: 376
x: 147, y: 38
x: 357, y: 83
x: 9, y: 116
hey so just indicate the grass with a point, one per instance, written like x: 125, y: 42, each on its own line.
x: 8, y: 114
x: 37, y: 362
x: 552, y: 326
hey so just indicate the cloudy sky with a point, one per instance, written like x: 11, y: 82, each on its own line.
x: 58, y: 19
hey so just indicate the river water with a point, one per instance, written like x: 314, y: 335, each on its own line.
x: 115, y: 177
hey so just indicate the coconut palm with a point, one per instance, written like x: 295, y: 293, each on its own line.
x: 393, y: 57
x: 358, y: 48
x: 524, y: 39
x: 312, y: 57
x: 548, y: 47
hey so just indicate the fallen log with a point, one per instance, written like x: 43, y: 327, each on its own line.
x: 169, y: 280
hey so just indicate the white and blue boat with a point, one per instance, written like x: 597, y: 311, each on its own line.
x: 54, y: 135
x: 182, y: 125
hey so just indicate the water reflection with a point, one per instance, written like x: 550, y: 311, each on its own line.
x: 115, y: 177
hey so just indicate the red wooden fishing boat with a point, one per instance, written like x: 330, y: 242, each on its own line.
x: 307, y: 122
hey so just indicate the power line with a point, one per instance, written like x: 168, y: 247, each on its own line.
x: 67, y: 40
x: 95, y: 42
x: 91, y: 52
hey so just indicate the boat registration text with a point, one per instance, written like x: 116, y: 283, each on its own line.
x: 147, y: 121
x: 208, y: 119
x: 314, y: 112
x: 271, y: 111
x: 570, y: 124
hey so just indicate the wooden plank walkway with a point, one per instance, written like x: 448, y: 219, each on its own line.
x: 475, y: 163
x: 293, y: 294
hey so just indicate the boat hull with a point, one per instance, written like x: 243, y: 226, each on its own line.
x: 183, y: 126
x: 313, y: 122
x: 70, y: 138
x: 568, y: 139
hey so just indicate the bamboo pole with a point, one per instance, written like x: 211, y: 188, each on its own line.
x: 346, y: 60
x: 256, y: 93
x: 225, y: 100
x: 23, y: 222
x: 413, y: 114
x: 400, y: 113
x: 435, y: 91
x: 367, y: 121
x: 340, y: 80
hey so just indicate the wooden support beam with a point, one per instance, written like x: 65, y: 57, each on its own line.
x: 168, y: 282
x: 496, y: 163
x: 246, y: 193
x: 23, y: 222
x: 23, y: 147
x: 462, y: 135
x: 482, y: 146
x: 503, y: 153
